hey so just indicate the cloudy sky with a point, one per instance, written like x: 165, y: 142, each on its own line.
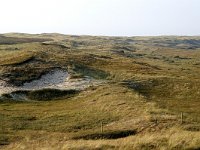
x: 101, y: 17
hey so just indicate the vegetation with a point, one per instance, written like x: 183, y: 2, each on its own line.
x: 149, y: 100
x: 39, y: 95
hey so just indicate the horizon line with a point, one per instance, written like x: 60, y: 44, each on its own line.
x: 159, y: 35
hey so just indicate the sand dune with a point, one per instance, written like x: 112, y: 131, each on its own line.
x: 56, y: 79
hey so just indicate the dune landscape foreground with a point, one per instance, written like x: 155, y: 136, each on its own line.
x: 99, y: 92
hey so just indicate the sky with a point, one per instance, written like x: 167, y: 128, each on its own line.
x: 101, y: 17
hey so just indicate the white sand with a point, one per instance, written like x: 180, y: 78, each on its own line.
x: 50, y: 80
x: 5, y: 88
x: 56, y: 79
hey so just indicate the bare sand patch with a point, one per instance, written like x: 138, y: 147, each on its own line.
x: 55, y: 79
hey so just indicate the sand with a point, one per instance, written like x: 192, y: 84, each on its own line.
x: 55, y: 79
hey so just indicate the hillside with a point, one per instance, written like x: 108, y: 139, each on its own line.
x: 96, y: 92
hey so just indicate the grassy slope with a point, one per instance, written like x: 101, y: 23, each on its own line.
x: 148, y: 86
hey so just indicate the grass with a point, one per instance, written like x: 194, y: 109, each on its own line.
x: 49, y: 94
x: 87, y: 71
x: 74, y: 116
x: 107, y: 135
x: 13, y: 40
x: 150, y: 81
x: 39, y: 95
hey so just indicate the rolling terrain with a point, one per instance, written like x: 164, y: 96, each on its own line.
x: 97, y: 92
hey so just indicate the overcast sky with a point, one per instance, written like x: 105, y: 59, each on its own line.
x: 101, y: 17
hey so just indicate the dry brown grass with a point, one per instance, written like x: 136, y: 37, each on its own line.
x: 165, y: 81
x: 164, y: 140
